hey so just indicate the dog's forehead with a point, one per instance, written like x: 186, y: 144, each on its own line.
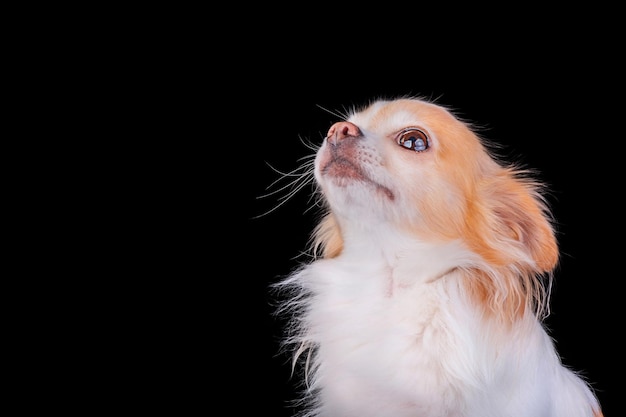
x: 389, y: 116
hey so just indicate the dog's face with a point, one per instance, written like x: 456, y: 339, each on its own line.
x: 412, y: 165
x: 407, y: 162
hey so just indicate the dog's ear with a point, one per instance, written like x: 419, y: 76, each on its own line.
x: 514, y: 224
x: 528, y: 219
x: 327, y: 240
x: 509, y: 226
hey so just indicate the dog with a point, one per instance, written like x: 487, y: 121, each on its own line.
x: 430, y: 276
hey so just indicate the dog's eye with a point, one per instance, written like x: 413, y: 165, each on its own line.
x: 413, y: 139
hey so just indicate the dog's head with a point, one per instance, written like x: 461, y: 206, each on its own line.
x: 412, y: 166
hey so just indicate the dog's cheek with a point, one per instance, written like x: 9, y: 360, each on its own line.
x: 428, y: 203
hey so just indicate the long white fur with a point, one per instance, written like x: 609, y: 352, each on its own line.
x: 383, y: 324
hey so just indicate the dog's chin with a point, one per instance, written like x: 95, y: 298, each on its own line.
x: 343, y: 169
x: 343, y: 173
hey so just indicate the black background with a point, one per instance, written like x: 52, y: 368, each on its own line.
x: 183, y: 113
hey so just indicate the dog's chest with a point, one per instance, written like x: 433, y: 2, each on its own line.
x: 378, y: 335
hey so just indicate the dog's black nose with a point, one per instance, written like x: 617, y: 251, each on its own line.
x: 341, y: 130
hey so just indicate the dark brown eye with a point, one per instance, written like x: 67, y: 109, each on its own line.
x: 413, y: 139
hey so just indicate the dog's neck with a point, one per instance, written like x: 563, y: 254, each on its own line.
x: 410, y: 258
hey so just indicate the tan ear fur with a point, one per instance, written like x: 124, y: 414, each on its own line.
x: 509, y: 226
x: 509, y: 220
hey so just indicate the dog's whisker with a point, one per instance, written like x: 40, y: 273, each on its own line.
x: 299, y: 178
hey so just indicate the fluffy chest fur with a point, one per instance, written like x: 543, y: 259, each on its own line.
x: 388, y: 346
x: 433, y: 272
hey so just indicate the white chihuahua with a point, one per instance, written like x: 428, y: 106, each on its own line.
x: 432, y: 274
